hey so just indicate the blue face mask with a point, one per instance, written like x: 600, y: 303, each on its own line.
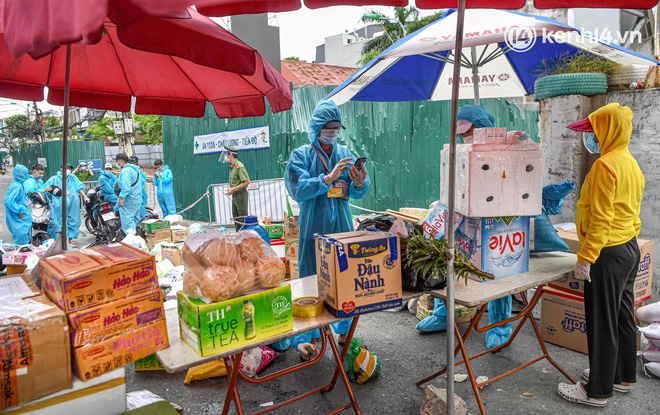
x: 590, y: 143
x: 328, y: 137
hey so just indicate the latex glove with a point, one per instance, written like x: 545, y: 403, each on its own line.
x: 358, y: 176
x: 582, y: 271
x: 337, y: 171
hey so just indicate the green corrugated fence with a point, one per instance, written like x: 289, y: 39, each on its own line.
x: 52, y: 151
x: 402, y: 141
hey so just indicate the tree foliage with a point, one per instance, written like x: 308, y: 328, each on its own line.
x: 408, y: 17
x: 100, y: 130
x: 294, y: 58
x: 151, y: 126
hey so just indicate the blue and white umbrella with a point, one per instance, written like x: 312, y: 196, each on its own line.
x: 506, y: 47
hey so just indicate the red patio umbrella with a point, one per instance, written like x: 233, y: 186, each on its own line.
x: 106, y: 73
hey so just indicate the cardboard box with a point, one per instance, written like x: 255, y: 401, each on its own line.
x: 142, y: 398
x: 215, y: 327
x: 93, y: 276
x: 104, y: 395
x: 563, y: 320
x: 495, y: 180
x: 359, y: 272
x: 17, y: 287
x: 116, y: 317
x: 462, y: 314
x: 291, y: 230
x: 291, y: 246
x: 95, y: 359
x: 427, y: 301
x: 16, y: 269
x: 159, y: 235
x: 423, y: 312
x: 154, y: 224
x: 295, y: 271
x: 174, y: 253
x: 34, y: 345
x: 643, y: 282
x: 179, y: 233
x: 496, y: 245
x: 274, y: 231
x: 18, y: 258
x: 148, y: 363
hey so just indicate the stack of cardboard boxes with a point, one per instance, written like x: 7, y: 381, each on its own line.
x: 563, y: 319
x: 158, y: 231
x: 425, y: 307
x: 498, y: 187
x: 113, y: 304
x: 35, y: 349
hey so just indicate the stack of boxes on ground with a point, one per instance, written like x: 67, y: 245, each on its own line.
x: 291, y: 238
x: 113, y: 303
x: 563, y: 320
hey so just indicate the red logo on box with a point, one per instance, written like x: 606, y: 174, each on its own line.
x: 90, y: 318
x: 82, y: 284
x: 348, y: 307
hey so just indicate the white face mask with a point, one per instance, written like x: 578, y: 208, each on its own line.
x: 68, y: 172
x: 328, y: 137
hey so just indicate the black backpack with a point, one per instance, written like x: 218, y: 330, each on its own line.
x: 118, y: 189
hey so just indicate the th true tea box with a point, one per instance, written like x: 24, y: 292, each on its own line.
x: 211, y: 328
x: 358, y: 272
x: 496, y: 245
x: 93, y: 276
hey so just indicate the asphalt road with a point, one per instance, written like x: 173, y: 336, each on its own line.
x: 406, y: 356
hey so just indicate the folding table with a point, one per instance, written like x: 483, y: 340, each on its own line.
x: 543, y: 268
x: 179, y: 356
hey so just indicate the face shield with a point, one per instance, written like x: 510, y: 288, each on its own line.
x: 224, y: 157
x: 590, y: 142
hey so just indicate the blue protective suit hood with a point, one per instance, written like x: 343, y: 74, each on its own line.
x: 477, y: 115
x: 325, y: 111
x: 20, y: 173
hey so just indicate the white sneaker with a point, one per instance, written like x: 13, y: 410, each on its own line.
x: 617, y: 387
x: 577, y: 394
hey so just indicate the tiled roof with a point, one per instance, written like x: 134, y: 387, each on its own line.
x: 304, y: 73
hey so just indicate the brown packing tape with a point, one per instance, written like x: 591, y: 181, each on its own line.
x: 307, y: 307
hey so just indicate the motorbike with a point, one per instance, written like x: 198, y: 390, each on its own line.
x: 100, y: 218
x: 151, y: 214
x: 40, y: 211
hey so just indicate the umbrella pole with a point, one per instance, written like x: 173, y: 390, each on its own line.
x: 451, y: 280
x: 65, y: 126
x: 475, y: 75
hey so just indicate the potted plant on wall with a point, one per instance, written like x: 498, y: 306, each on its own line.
x: 581, y: 73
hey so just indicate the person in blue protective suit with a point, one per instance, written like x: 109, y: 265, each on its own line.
x: 17, y: 209
x: 35, y: 183
x: 130, y: 196
x: 321, y: 177
x: 143, y: 184
x: 471, y: 117
x: 107, y: 182
x: 74, y: 187
x: 163, y: 179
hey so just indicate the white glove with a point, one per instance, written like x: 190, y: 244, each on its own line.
x: 337, y: 171
x: 582, y: 271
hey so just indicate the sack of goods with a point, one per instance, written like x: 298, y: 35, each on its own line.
x: 221, y: 266
x: 650, y: 314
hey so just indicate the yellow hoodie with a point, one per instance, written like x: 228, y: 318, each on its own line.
x: 611, y: 196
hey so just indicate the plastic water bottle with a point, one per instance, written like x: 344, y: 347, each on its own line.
x: 251, y: 223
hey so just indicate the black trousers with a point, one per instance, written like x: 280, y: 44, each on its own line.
x: 609, y: 309
x: 239, y: 205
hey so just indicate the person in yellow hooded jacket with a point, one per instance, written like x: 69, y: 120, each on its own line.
x: 608, y: 225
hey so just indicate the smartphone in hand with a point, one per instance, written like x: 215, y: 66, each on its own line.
x: 359, y: 162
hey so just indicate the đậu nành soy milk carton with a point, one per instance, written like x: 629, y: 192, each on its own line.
x: 358, y: 272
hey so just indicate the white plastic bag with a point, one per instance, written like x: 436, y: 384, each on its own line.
x: 649, y: 313
x: 133, y: 240
x: 650, y: 353
x: 157, y: 251
x: 196, y: 228
x: 652, y: 332
x: 173, y: 218
x: 163, y: 268
x: 653, y: 368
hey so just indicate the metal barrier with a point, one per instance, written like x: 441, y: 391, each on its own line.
x: 266, y: 198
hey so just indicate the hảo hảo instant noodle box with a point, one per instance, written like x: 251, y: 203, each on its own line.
x: 358, y: 272
x: 93, y: 276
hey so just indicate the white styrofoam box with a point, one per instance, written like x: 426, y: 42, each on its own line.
x: 495, y: 180
x: 492, y: 135
x: 106, y: 396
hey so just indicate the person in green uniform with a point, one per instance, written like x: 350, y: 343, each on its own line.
x: 83, y: 173
x: 238, y: 181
